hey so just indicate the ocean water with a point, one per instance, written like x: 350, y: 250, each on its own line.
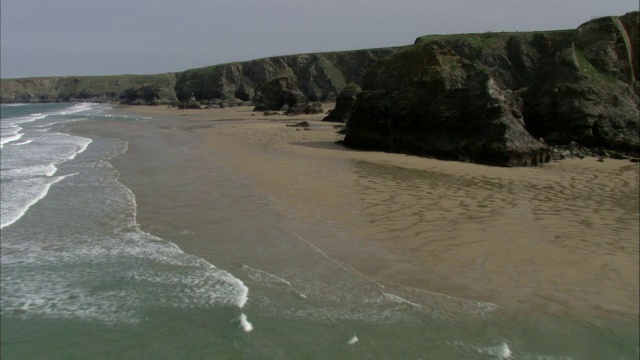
x: 81, y: 279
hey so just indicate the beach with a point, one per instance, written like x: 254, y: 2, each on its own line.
x: 557, y: 239
x: 151, y: 232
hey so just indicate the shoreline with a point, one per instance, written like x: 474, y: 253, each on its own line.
x: 391, y: 215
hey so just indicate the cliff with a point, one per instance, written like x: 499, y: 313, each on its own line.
x: 128, y: 89
x: 318, y: 77
x: 501, y: 98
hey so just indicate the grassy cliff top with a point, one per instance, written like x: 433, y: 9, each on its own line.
x: 487, y: 38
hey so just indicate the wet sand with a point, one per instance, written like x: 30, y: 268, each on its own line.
x: 562, y: 238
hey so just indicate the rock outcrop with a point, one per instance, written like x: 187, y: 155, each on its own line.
x: 491, y: 98
x: 429, y: 101
x: 279, y: 93
x: 192, y: 103
x: 584, y: 89
x: 128, y: 89
x: 344, y: 104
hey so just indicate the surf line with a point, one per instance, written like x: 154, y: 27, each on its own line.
x: 392, y: 297
x: 40, y: 196
x: 347, y: 268
x: 278, y: 279
x: 243, y: 295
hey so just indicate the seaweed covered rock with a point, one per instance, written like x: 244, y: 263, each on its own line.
x: 428, y: 101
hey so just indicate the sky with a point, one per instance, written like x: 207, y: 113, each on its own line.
x: 107, y: 37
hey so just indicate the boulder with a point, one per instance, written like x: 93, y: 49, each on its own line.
x: 428, y: 101
x: 344, y: 104
x: 302, y: 124
x: 192, y: 103
x: 279, y: 92
x: 314, y: 108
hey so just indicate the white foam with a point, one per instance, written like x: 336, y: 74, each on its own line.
x: 269, y: 276
x: 80, y: 146
x: 173, y: 278
x: 15, y: 209
x: 24, y: 119
x: 398, y: 299
x: 23, y: 143
x: 353, y: 340
x: 76, y: 108
x: 64, y: 287
x: 9, y: 139
x: 27, y: 172
x: 244, y: 323
x: 501, y: 351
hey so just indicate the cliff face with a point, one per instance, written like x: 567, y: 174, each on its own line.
x: 491, y: 98
x: 319, y: 77
x: 129, y: 89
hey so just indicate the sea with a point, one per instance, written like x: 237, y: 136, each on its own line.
x: 80, y: 279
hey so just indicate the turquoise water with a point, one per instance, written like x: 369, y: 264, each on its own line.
x: 81, y: 279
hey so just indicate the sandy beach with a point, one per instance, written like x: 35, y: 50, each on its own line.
x: 560, y: 239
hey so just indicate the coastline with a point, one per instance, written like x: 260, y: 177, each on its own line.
x: 516, y: 237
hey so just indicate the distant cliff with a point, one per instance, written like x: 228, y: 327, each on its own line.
x: 128, y: 89
x: 501, y: 98
x: 319, y: 77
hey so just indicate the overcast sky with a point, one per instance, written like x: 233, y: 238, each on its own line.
x: 87, y: 37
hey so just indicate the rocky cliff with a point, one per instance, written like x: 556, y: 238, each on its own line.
x: 315, y: 77
x: 318, y: 77
x: 500, y: 98
x: 128, y: 89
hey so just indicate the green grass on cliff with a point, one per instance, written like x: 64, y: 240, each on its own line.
x: 485, y: 39
x: 586, y: 68
x: 477, y: 39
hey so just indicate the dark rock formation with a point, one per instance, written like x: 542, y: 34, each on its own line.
x: 280, y: 92
x: 344, y: 104
x: 583, y: 90
x: 314, y: 108
x: 302, y: 124
x: 430, y: 102
x: 486, y: 97
x: 192, y: 103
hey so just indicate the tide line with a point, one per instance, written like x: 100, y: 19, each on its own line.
x: 277, y: 278
x: 347, y: 268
